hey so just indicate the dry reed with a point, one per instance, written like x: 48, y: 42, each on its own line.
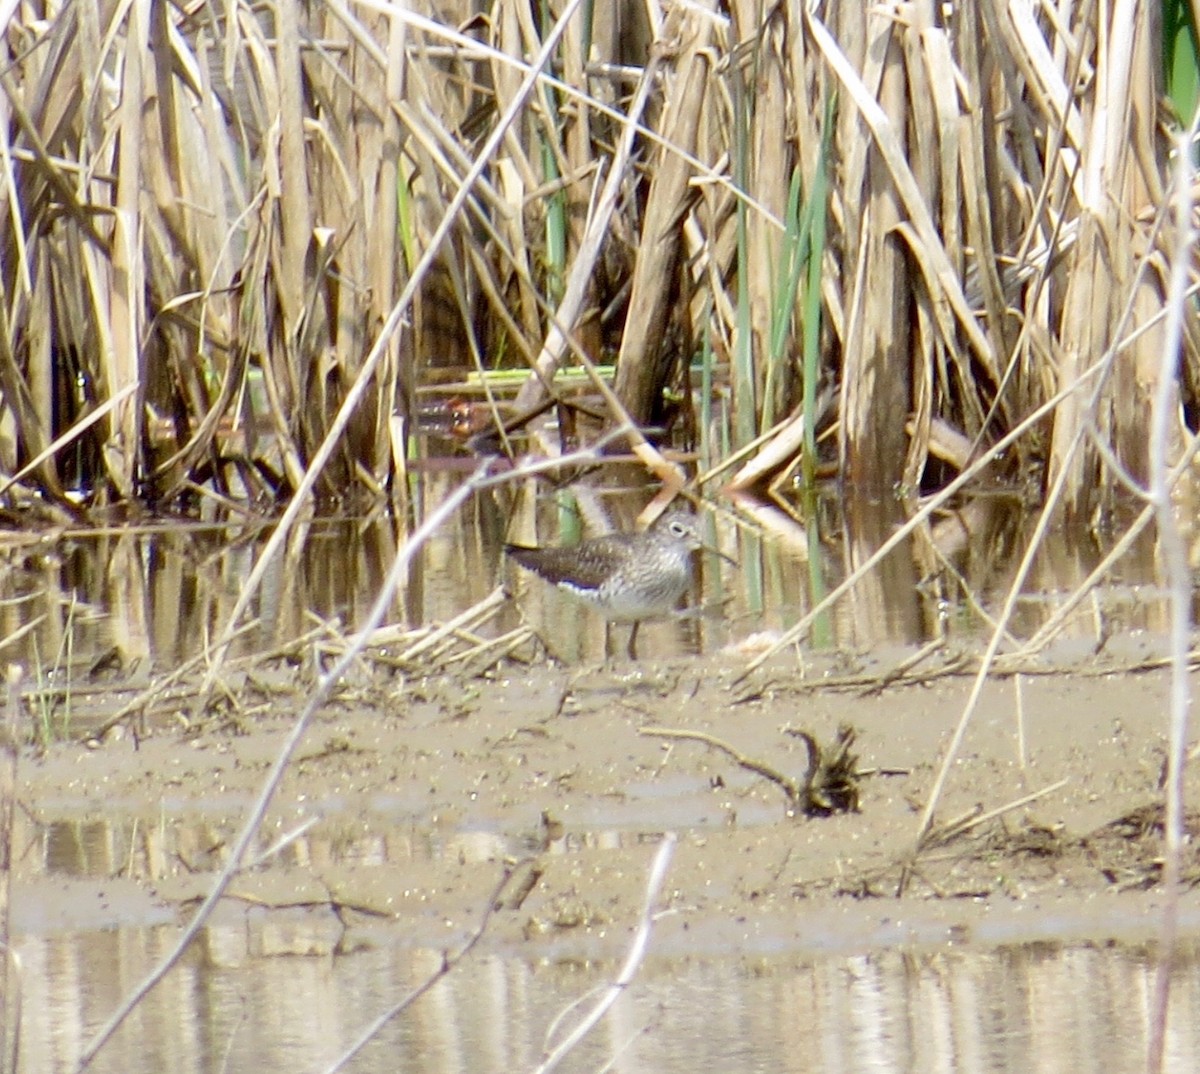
x: 208, y: 214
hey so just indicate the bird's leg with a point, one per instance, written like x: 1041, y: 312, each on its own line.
x: 632, y: 650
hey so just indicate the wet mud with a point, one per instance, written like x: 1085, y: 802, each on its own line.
x: 425, y: 793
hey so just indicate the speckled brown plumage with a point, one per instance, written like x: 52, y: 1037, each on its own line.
x: 626, y: 577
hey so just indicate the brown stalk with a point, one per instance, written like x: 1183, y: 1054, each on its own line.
x: 121, y: 364
x: 945, y: 286
x: 872, y: 446
x: 291, y: 179
x: 639, y: 376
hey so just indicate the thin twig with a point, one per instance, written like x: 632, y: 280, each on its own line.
x: 1176, y: 577
x: 960, y: 826
x: 449, y: 962
x: 789, y: 786
x: 254, y: 821
x: 390, y: 326
x: 637, y: 951
x: 899, y: 672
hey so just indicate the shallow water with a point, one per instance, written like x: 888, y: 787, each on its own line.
x: 1010, y: 1009
x: 90, y: 608
x: 263, y: 990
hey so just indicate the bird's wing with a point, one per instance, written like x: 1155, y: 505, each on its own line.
x: 586, y: 566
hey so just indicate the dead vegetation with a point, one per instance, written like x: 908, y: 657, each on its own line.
x: 918, y: 247
x: 233, y: 234
x: 830, y: 781
x: 997, y: 856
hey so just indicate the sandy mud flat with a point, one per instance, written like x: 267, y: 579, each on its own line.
x: 427, y: 792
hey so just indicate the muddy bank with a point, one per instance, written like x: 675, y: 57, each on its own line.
x: 426, y: 792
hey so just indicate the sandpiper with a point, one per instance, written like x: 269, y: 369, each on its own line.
x: 626, y: 577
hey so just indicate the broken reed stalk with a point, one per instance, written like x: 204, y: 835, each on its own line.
x: 658, y: 271
x: 957, y: 827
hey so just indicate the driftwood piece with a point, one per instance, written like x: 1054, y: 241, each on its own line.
x: 829, y: 785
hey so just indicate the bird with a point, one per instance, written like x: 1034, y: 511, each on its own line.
x: 626, y: 577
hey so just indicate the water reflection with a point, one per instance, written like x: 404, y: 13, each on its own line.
x: 1035, y: 1007
x: 82, y: 609
x: 136, y: 848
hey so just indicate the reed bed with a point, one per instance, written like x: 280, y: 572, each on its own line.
x: 919, y: 246
x: 911, y: 225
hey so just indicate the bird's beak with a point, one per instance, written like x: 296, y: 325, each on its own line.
x: 714, y: 550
